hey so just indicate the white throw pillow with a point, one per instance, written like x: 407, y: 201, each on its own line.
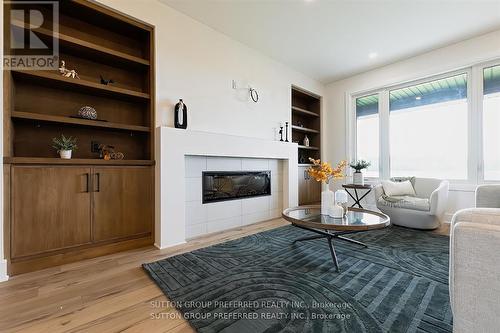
x: 398, y: 188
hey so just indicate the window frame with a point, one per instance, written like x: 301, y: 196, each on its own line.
x: 475, y: 167
x: 479, y: 107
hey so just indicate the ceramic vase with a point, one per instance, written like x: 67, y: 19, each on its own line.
x: 327, y: 199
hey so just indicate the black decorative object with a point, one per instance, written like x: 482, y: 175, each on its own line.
x: 87, y: 112
x: 286, y: 131
x: 254, y: 95
x: 105, y: 82
x: 302, y: 159
x: 180, y: 110
x: 281, y: 133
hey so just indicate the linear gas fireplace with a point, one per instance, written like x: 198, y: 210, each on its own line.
x: 231, y: 185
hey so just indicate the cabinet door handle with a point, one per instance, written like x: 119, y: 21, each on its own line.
x: 87, y: 177
x: 98, y: 182
x: 306, y: 175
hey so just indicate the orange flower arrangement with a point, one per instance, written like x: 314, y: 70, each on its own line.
x: 323, y: 171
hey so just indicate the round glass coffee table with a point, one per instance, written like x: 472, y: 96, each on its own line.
x: 356, y: 220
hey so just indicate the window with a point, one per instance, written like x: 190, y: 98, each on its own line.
x: 491, y: 122
x: 428, y: 129
x: 367, y: 133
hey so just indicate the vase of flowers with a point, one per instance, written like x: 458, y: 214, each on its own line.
x: 323, y: 172
x: 359, y: 166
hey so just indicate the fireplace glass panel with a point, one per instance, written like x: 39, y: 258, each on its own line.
x: 231, y: 185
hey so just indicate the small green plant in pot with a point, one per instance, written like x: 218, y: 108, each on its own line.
x: 359, y: 166
x: 64, y: 146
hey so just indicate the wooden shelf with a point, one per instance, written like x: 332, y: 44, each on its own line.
x: 76, y: 121
x: 304, y: 129
x: 308, y: 147
x: 81, y: 84
x: 89, y: 48
x: 304, y: 112
x: 73, y: 161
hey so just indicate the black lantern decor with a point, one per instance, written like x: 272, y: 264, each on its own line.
x: 180, y: 110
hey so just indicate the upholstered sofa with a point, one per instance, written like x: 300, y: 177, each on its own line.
x: 426, y: 213
x: 475, y: 264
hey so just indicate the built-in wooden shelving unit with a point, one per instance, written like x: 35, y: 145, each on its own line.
x: 77, y: 121
x: 63, y: 210
x: 304, y: 129
x: 73, y: 161
x: 306, y: 118
x: 55, y: 79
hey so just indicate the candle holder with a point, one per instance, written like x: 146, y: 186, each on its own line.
x: 341, y: 199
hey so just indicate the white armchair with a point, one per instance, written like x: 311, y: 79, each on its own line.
x: 475, y: 264
x: 427, y: 215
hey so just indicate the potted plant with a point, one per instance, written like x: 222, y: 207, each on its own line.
x: 323, y: 172
x: 64, y: 146
x: 358, y: 166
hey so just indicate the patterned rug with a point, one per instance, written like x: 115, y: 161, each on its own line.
x: 265, y: 283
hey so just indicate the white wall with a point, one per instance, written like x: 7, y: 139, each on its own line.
x: 197, y: 63
x: 465, y: 53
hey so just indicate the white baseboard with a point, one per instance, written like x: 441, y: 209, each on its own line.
x: 3, y: 270
x: 166, y: 247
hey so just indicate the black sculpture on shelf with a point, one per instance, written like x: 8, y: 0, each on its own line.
x: 281, y: 133
x: 180, y: 110
x: 286, y: 131
x: 105, y: 82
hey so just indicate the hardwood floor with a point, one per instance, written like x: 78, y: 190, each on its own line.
x: 106, y: 294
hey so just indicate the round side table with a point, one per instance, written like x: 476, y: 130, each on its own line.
x: 356, y: 197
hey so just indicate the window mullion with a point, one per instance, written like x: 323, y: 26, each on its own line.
x: 383, y: 109
x: 476, y: 165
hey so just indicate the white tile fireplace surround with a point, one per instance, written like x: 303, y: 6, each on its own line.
x: 216, y: 216
x: 181, y: 157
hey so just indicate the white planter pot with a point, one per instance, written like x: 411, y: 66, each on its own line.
x: 327, y: 201
x: 65, y: 154
x: 358, y: 179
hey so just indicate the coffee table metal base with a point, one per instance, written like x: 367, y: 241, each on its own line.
x: 329, y: 236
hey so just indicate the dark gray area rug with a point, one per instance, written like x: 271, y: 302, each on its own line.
x: 265, y: 283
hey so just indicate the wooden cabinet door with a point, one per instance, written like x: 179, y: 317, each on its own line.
x: 303, y: 186
x: 50, y: 209
x: 122, y: 202
x: 314, y: 191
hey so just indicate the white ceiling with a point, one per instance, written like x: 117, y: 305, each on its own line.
x: 332, y: 39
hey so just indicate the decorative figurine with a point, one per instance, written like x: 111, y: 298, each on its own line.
x: 106, y: 82
x: 107, y: 153
x: 66, y: 72
x: 281, y: 133
x: 87, y: 112
x: 306, y: 141
x: 180, y: 110
x: 286, y: 131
